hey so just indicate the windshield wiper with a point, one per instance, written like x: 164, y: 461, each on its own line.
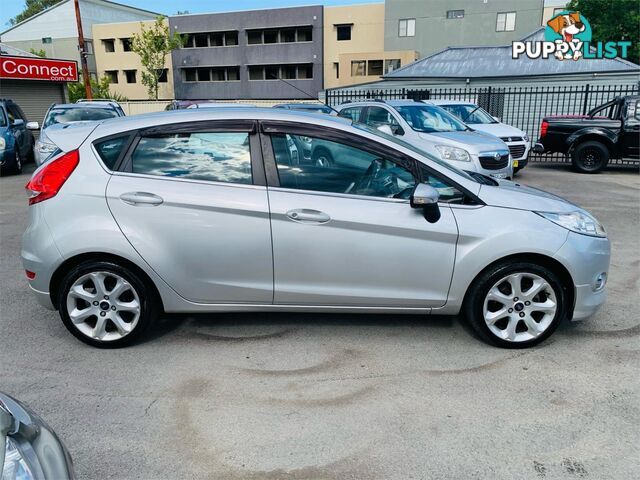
x: 470, y: 113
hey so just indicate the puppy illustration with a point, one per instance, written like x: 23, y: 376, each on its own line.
x: 567, y: 25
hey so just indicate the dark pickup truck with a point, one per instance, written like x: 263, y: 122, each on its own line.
x: 609, y: 131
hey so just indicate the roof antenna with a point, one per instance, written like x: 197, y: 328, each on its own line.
x: 302, y: 91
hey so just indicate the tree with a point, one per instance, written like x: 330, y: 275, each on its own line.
x: 152, y: 45
x: 99, y: 89
x: 38, y: 53
x: 612, y: 20
x: 31, y: 7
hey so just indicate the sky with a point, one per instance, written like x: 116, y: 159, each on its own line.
x: 10, y: 8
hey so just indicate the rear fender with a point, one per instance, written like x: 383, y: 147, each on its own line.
x: 598, y: 134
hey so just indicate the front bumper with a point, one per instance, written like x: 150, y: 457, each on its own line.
x: 586, y: 258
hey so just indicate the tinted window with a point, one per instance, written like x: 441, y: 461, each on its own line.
x: 109, y: 150
x: 216, y: 157
x: 353, y: 113
x: 307, y: 163
x: 430, y: 119
x: 70, y: 115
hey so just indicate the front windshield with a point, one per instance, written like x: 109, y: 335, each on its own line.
x: 470, y: 113
x: 3, y: 118
x: 415, y: 149
x: 430, y: 119
x: 70, y: 115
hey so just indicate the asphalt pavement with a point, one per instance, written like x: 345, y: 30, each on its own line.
x: 300, y: 396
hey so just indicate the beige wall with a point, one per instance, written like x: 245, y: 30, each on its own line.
x: 121, y: 61
x: 367, y: 43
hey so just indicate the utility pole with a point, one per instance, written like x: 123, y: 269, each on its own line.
x: 83, y: 54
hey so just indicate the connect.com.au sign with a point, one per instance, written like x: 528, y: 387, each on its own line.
x: 32, y: 68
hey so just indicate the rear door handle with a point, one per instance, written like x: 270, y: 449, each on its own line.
x: 304, y: 215
x: 141, y: 198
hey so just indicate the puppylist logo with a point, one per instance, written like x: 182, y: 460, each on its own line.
x: 567, y: 36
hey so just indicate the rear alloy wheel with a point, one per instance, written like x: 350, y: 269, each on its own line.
x: 106, y: 305
x: 590, y: 157
x: 516, y: 306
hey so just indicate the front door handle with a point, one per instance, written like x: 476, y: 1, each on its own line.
x: 304, y: 215
x: 141, y: 198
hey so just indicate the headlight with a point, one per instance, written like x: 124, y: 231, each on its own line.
x: 578, y: 221
x: 3, y: 144
x: 453, y: 153
x: 15, y: 466
x: 45, y: 148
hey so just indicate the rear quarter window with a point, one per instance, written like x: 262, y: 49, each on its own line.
x: 110, y: 150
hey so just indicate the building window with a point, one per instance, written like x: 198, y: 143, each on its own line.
x: 298, y: 71
x: 374, y: 67
x: 283, y: 35
x: 391, y: 65
x: 131, y: 76
x: 358, y: 68
x: 112, y: 75
x: 47, y: 40
x: 163, y: 75
x: 126, y: 44
x: 454, y: 14
x: 211, y: 74
x: 211, y: 39
x: 88, y: 47
x: 506, y: 22
x: 336, y: 68
x: 109, y: 45
x: 407, y: 27
x: 343, y: 32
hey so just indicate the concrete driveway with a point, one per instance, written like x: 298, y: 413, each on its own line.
x: 274, y: 396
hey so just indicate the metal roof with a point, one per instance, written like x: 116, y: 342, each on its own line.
x: 486, y: 62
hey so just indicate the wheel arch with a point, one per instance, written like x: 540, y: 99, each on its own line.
x: 592, y: 136
x: 539, y: 259
x: 72, y: 262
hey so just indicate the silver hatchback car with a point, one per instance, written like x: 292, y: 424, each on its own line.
x: 217, y: 210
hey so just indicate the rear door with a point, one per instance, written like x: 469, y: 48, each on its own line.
x: 191, y: 199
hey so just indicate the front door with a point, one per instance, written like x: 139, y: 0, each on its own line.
x: 630, y: 141
x: 344, y: 232
x: 189, y: 204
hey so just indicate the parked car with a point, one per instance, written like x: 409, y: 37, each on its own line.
x: 16, y: 141
x: 479, y: 119
x: 29, y: 448
x: 306, y: 107
x: 609, y: 131
x: 220, y: 105
x: 67, y: 113
x: 435, y: 131
x: 209, y: 211
x: 105, y: 102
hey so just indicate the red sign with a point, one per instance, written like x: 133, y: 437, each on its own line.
x: 36, y: 68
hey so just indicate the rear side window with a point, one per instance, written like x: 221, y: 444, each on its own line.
x: 211, y: 156
x: 110, y: 150
x: 353, y: 113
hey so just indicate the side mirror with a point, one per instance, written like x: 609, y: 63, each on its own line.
x: 17, y: 122
x: 386, y: 129
x: 497, y: 119
x: 33, y: 126
x: 426, y: 197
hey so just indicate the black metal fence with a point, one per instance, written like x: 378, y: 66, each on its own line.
x: 522, y: 107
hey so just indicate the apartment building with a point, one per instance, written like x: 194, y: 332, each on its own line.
x: 54, y: 29
x: 354, y: 46
x: 115, y: 60
x: 434, y: 25
x: 256, y: 54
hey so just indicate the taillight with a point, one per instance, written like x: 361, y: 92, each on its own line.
x: 30, y: 275
x: 47, y: 182
x: 543, y: 129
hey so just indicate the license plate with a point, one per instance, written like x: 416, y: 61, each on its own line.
x: 515, y: 164
x: 499, y: 175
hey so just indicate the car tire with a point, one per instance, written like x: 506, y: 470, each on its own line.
x: 515, y: 305
x: 17, y: 165
x: 111, y: 320
x: 590, y: 157
x: 322, y: 158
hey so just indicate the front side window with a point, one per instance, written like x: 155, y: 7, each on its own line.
x: 506, y: 22
x: 311, y: 163
x: 430, y: 119
x: 211, y: 156
x: 78, y: 114
x: 407, y: 27
x: 470, y: 113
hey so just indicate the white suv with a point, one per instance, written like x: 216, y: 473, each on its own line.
x: 435, y: 131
